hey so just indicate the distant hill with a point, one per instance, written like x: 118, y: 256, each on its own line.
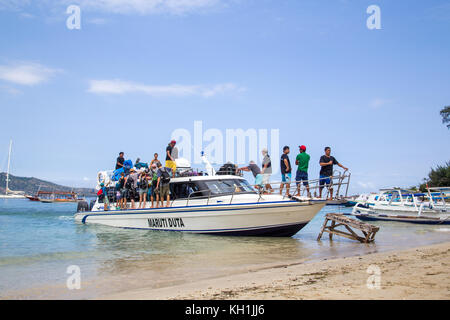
x: 31, y: 185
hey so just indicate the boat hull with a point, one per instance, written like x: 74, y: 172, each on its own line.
x: 31, y: 198
x: 337, y: 202
x: 368, y: 214
x: 12, y: 197
x: 282, y: 219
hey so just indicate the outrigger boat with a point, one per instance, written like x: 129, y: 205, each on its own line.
x: 406, y: 206
x: 209, y: 204
x: 56, y: 197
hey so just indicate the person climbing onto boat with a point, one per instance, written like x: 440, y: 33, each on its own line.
x: 286, y: 169
x: 170, y: 161
x: 162, y: 185
x: 120, y: 160
x: 302, y: 162
x: 256, y: 171
x: 266, y: 170
x: 326, y: 171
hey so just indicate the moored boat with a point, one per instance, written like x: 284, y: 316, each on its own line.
x: 401, y: 206
x: 10, y: 194
x: 57, y: 197
x: 210, y: 204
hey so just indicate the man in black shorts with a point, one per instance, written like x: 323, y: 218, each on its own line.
x: 326, y: 171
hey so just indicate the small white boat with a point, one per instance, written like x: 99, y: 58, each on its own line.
x: 211, y: 204
x: 9, y: 194
x: 404, y: 206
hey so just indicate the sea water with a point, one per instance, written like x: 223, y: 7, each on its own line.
x: 40, y: 242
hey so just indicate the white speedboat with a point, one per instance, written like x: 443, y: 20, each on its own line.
x: 404, y: 206
x: 210, y: 204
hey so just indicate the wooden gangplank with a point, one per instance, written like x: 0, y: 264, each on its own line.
x: 338, y: 220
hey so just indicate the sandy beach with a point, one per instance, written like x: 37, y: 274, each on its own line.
x: 419, y: 273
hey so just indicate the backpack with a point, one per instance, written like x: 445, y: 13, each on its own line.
x: 165, y: 177
x: 100, y: 194
x: 130, y: 183
x: 143, y: 183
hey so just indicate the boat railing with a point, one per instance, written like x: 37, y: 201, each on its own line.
x: 277, y: 187
x: 337, y: 189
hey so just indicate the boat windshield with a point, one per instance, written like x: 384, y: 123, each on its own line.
x: 228, y: 186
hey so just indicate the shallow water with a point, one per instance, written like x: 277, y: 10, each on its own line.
x: 38, y: 242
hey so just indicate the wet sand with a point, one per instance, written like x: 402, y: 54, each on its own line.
x: 419, y: 273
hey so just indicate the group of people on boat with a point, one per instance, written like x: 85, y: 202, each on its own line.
x: 262, y: 175
x: 150, y: 181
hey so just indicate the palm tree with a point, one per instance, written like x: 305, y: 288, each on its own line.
x: 445, y: 113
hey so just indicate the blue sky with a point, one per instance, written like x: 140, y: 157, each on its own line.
x: 137, y: 70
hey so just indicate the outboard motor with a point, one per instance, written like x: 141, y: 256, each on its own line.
x: 82, y: 206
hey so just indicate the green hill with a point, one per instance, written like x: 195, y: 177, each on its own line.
x: 31, y: 185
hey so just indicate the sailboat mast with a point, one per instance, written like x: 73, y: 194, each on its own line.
x: 7, y: 172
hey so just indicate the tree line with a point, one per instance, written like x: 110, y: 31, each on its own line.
x: 439, y: 176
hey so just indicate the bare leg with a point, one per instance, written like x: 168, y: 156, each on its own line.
x: 307, y: 190
x: 297, y: 194
x: 168, y: 201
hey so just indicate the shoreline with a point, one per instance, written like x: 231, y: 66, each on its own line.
x: 415, y: 273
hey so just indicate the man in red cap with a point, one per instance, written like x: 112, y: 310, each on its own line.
x: 302, y: 161
x: 170, y: 161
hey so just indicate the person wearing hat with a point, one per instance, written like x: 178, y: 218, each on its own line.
x: 302, y: 162
x: 170, y: 161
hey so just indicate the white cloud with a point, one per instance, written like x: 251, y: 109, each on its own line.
x: 26, y: 73
x: 147, y: 6
x: 378, y: 103
x: 122, y: 87
x: 142, y: 7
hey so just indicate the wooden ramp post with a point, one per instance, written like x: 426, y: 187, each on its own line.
x: 338, y: 220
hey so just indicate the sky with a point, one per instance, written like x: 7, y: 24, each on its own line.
x: 136, y: 70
